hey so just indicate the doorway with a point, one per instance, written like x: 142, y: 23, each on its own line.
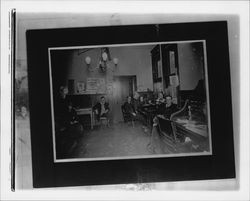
x: 123, y: 86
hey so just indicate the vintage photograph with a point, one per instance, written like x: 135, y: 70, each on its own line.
x: 123, y: 101
x: 137, y: 101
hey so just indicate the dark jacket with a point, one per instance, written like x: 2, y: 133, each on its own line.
x: 71, y: 116
x: 135, y: 104
x: 129, y: 107
x: 98, y: 107
x: 168, y: 111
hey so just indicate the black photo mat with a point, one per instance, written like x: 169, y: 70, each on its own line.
x: 219, y: 165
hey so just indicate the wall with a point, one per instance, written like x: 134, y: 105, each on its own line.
x: 190, y: 66
x: 132, y: 61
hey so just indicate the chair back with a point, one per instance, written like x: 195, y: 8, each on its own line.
x: 166, y: 129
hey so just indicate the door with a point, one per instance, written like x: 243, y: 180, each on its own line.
x: 123, y: 86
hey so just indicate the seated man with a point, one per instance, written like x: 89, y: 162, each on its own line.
x: 101, y: 109
x: 136, y: 101
x: 138, y: 112
x: 129, y: 109
x: 61, y: 108
x: 163, y: 117
x: 169, y: 108
x: 68, y: 136
x: 73, y: 125
x: 71, y: 115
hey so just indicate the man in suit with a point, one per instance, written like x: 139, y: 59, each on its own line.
x: 129, y: 108
x: 101, y: 109
x: 169, y: 108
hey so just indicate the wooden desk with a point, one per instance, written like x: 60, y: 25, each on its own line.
x: 83, y: 111
x: 186, y: 136
x: 195, y: 130
x: 192, y: 126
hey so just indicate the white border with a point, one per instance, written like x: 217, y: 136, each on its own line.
x: 189, y: 190
x: 137, y: 156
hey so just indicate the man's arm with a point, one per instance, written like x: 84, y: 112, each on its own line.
x: 96, y: 108
x: 107, y: 107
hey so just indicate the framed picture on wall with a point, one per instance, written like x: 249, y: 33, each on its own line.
x: 185, y: 144
x: 80, y: 87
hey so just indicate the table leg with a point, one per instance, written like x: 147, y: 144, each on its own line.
x: 91, y: 120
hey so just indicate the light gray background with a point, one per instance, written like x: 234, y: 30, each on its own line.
x: 27, y: 21
x: 192, y: 190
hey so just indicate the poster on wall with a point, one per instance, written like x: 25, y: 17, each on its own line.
x: 95, y: 85
x: 80, y: 87
x: 174, y: 80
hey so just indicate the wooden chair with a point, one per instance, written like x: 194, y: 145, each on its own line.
x: 166, y: 129
x: 183, y: 111
x: 103, y: 121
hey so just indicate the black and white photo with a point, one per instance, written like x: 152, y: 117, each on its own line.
x: 134, y: 101
x: 145, y: 103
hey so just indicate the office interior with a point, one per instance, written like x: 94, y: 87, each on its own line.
x: 155, y: 73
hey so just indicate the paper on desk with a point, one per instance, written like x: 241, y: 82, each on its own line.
x: 182, y: 121
x: 187, y: 139
x: 197, y: 130
x: 185, y: 121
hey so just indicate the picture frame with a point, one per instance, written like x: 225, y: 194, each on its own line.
x: 81, y: 87
x: 219, y: 165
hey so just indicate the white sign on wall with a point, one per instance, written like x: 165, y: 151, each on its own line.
x: 96, y: 85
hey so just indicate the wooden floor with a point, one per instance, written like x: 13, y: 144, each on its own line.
x: 122, y: 139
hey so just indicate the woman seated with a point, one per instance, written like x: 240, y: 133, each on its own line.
x: 160, y: 98
x: 141, y: 103
x: 141, y: 113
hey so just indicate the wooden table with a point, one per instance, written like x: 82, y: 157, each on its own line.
x: 83, y: 111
